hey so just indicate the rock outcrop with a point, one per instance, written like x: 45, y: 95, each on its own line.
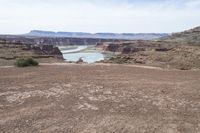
x: 180, y: 50
x: 136, y: 46
x: 49, y: 50
x: 9, y: 52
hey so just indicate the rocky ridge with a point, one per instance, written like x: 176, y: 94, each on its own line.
x: 9, y: 52
x: 188, y: 37
x: 56, y: 41
x: 180, y: 51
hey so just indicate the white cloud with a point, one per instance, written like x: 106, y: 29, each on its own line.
x: 20, y: 16
x: 193, y: 3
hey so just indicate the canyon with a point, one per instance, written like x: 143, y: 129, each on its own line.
x: 148, y: 86
x: 56, y: 41
x: 179, y: 51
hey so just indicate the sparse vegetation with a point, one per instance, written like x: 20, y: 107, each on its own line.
x: 25, y: 62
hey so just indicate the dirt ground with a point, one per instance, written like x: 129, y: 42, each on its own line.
x: 99, y: 99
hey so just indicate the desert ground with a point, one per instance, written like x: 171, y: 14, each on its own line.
x: 99, y: 98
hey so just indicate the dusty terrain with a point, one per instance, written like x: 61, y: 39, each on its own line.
x: 99, y: 99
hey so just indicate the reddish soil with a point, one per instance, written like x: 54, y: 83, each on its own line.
x: 99, y: 99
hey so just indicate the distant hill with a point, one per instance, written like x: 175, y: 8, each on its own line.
x: 191, y: 36
x: 128, y: 36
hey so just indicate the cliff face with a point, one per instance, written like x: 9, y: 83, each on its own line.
x: 136, y: 46
x: 9, y: 52
x: 64, y: 41
x: 180, y: 50
x: 187, y: 38
x: 48, y: 50
x: 56, y: 41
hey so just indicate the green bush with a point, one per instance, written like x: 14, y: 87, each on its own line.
x: 25, y: 62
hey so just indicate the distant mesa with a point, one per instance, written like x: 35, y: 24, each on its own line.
x: 128, y: 36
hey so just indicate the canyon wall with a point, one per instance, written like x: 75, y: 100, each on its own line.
x: 136, y: 46
x: 56, y: 41
x: 11, y: 51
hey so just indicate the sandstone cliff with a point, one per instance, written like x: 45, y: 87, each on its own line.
x: 136, y: 46
x: 62, y: 41
x: 180, y: 50
x: 9, y: 52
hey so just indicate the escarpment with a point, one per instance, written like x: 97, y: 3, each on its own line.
x: 57, y: 41
x: 136, y: 46
x: 9, y: 52
x: 180, y: 51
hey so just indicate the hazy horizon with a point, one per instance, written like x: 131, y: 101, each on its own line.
x: 99, y: 16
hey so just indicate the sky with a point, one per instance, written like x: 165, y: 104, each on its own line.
x: 119, y: 16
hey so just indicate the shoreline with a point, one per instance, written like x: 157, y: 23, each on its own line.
x: 90, y: 52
